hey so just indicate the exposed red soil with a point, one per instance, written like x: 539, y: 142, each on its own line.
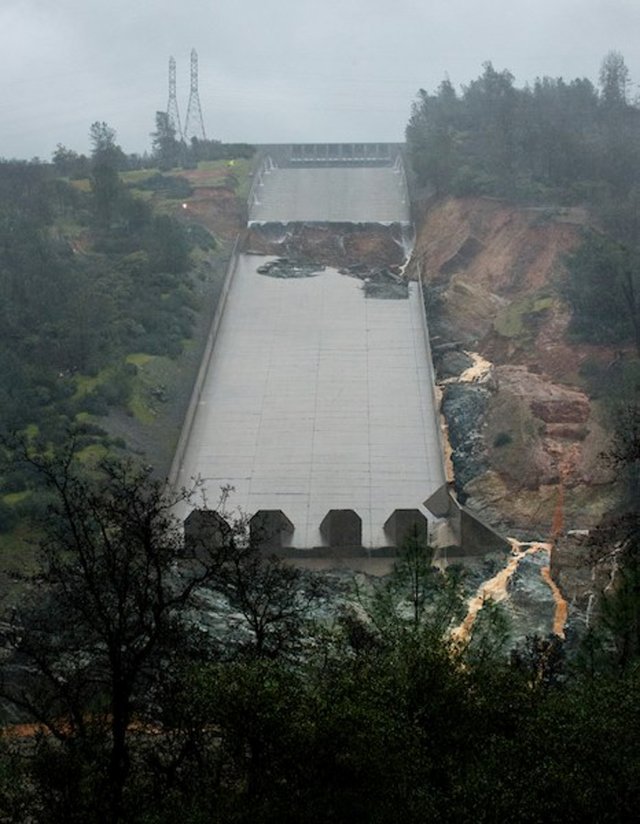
x: 515, y: 249
x: 488, y: 261
x: 218, y: 209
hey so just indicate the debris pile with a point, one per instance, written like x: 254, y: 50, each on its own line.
x: 379, y: 282
x: 283, y: 267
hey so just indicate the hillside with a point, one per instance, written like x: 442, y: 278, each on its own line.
x: 108, y: 286
x: 209, y: 202
x: 492, y: 273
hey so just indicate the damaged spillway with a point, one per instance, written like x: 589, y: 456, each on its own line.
x: 345, y: 214
x: 316, y: 401
x: 317, y: 398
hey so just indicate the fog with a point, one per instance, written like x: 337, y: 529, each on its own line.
x: 278, y: 72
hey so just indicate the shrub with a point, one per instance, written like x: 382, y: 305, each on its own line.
x: 502, y: 439
x: 8, y: 517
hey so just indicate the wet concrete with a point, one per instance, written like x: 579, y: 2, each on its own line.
x: 331, y: 195
x: 380, y: 283
x: 316, y: 399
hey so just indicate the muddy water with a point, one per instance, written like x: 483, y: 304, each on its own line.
x: 562, y: 607
x: 496, y: 589
x: 479, y: 370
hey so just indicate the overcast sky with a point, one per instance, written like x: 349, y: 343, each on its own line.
x: 278, y: 70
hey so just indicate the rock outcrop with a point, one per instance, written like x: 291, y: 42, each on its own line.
x: 491, y: 273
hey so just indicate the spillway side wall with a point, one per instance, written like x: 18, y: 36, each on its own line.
x: 432, y: 381
x: 187, y: 425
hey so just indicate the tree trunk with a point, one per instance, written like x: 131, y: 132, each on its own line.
x: 119, y: 760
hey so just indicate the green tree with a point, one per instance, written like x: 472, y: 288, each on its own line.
x: 555, y: 140
x: 603, y: 291
x: 104, y: 149
x: 106, y: 188
x: 107, y: 158
x: 69, y: 163
x: 104, y: 620
x: 417, y: 597
x: 433, y: 139
x: 167, y: 245
x: 166, y: 149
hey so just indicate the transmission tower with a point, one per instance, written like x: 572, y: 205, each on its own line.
x: 194, y: 124
x: 173, y: 114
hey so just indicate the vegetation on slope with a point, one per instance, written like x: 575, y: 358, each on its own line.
x: 144, y: 717
x: 139, y: 713
x: 557, y: 142
x: 102, y: 281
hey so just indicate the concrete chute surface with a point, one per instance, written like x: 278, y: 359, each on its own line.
x: 318, y: 398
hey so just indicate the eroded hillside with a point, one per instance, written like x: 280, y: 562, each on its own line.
x: 523, y: 426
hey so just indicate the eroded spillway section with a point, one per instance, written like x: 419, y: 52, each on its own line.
x: 317, y: 398
x: 317, y: 404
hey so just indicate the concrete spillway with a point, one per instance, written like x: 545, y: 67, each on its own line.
x: 317, y: 398
x: 330, y: 195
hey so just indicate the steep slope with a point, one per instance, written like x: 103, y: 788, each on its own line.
x: 526, y: 425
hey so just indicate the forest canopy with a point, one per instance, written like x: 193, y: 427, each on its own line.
x: 91, y: 275
x: 557, y: 140
x: 557, y: 143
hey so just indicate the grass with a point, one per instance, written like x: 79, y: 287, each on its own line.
x: 154, y: 371
x: 83, y: 185
x: 243, y: 169
x: 70, y: 228
x: 138, y: 175
x: 86, y: 417
x: 139, y: 402
x: 144, y: 194
x: 213, y: 173
x: 139, y: 407
x: 31, y: 431
x: 85, y: 384
x: 209, y: 174
x: 139, y: 359
x: 518, y: 318
x: 14, y: 498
